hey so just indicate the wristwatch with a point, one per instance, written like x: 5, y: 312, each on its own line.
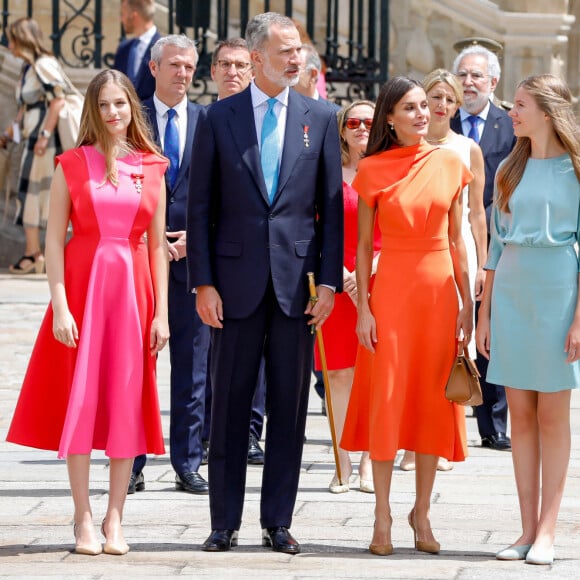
x: 45, y: 133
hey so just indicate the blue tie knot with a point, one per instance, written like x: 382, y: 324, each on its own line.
x: 474, y: 131
x: 171, y: 114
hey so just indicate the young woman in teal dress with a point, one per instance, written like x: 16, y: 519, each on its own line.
x: 529, y: 320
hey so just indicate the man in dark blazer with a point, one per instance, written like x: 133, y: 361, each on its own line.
x: 265, y: 207
x: 478, y: 70
x: 173, y: 62
x: 133, y: 54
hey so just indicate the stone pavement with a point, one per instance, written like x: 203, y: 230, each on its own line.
x: 474, y: 506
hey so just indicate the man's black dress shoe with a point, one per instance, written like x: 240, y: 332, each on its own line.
x: 191, y: 482
x: 136, y: 483
x: 255, y: 452
x: 220, y: 541
x: 280, y: 540
x: 497, y: 441
x: 205, y: 452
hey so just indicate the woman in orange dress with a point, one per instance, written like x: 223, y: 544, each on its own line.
x: 408, y: 326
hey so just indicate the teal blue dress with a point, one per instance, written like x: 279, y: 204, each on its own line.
x: 533, y: 252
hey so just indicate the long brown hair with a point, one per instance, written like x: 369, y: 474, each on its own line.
x: 382, y: 137
x: 553, y: 97
x: 93, y: 130
x: 26, y: 36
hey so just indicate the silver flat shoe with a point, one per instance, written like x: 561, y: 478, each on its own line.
x: 540, y: 557
x: 514, y: 552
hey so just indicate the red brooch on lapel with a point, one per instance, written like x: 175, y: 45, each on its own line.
x: 306, y: 139
x: 137, y: 179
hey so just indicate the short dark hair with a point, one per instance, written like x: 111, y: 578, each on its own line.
x: 227, y: 43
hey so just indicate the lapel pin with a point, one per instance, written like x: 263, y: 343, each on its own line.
x: 306, y: 139
x: 137, y: 179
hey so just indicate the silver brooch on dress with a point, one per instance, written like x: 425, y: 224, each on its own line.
x: 137, y: 179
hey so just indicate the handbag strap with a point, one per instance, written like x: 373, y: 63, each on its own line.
x: 460, y: 347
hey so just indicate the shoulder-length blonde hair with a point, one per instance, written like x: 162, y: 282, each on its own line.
x: 342, y: 117
x: 553, y: 97
x: 440, y: 75
x: 26, y: 36
x: 93, y: 130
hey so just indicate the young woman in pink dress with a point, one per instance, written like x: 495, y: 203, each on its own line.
x: 91, y: 382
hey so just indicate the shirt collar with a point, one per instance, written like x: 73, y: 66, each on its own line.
x: 147, y: 36
x: 259, y: 97
x: 162, y: 108
x: 482, y: 115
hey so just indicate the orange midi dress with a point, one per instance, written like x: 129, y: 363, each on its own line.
x: 398, y: 394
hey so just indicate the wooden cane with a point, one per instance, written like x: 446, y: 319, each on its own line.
x: 327, y: 395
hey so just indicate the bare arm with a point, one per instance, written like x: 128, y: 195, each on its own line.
x: 159, y: 265
x: 50, y: 123
x: 366, y: 324
x: 483, y: 331
x: 477, y: 216
x: 64, y: 326
x: 572, y: 345
x: 460, y: 270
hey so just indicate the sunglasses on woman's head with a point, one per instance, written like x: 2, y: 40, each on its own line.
x: 354, y: 123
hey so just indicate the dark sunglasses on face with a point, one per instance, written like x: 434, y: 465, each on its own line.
x: 354, y: 123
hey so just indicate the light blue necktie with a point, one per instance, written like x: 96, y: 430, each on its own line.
x: 270, y: 151
x: 171, y: 147
x: 474, y: 131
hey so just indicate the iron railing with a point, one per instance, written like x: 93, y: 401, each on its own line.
x: 357, y: 63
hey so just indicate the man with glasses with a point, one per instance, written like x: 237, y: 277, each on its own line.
x: 478, y: 70
x: 231, y: 70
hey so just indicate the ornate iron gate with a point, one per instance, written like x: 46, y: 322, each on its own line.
x: 357, y: 61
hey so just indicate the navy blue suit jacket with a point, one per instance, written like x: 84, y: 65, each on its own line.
x: 236, y: 240
x: 144, y: 82
x: 497, y: 141
x: 177, y: 197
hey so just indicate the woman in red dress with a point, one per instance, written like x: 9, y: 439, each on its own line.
x: 339, y: 331
x: 90, y: 383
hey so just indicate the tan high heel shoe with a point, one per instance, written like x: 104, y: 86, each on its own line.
x: 381, y: 549
x: 114, y: 548
x: 92, y: 549
x: 429, y: 546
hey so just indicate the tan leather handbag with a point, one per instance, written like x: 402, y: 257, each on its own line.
x: 463, y: 385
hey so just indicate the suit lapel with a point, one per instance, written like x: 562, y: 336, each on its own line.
x: 296, y: 120
x: 243, y: 130
x: 488, y: 137
x: 192, y: 113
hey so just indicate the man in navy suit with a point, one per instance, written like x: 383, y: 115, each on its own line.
x: 133, y: 55
x: 478, y: 70
x: 265, y: 207
x: 173, y: 62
